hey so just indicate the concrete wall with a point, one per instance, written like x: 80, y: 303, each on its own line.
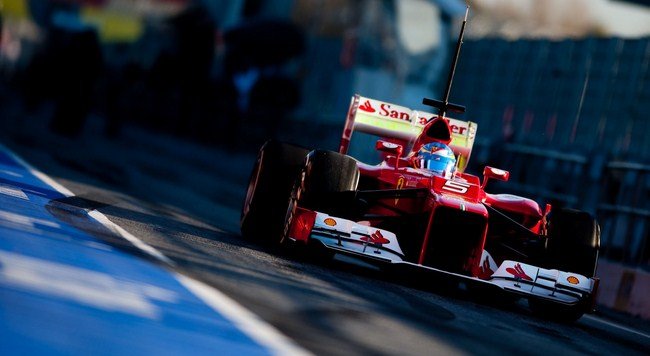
x: 624, y: 288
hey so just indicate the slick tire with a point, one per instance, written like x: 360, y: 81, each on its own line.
x: 325, y: 174
x: 268, y: 195
x: 573, y: 243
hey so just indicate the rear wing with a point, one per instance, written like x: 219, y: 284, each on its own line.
x: 397, y: 122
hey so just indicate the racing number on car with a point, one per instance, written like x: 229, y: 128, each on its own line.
x: 456, y: 187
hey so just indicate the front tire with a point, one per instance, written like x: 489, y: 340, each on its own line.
x: 572, y: 246
x: 573, y: 242
x: 323, y: 176
x: 326, y: 174
x: 268, y: 195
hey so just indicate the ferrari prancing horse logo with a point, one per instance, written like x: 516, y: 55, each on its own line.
x: 400, y: 184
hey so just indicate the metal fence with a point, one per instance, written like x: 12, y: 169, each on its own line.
x: 624, y: 212
x: 577, y: 94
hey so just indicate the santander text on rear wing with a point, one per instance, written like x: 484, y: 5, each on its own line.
x: 397, y: 122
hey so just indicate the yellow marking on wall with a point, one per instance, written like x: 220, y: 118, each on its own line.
x: 14, y: 8
x: 113, y: 26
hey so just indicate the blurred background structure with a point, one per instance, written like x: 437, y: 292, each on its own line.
x: 560, y: 89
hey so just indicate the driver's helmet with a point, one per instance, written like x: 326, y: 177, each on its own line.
x: 438, y: 158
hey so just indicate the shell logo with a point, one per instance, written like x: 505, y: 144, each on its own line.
x: 330, y: 222
x: 573, y: 280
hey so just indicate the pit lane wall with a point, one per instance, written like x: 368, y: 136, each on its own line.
x: 624, y: 289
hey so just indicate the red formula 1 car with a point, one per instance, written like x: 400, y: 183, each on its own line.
x: 402, y: 213
x: 419, y: 210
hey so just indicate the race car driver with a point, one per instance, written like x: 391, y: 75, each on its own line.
x: 437, y: 158
x: 430, y: 150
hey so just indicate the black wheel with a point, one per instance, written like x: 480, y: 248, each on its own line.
x: 324, y: 174
x: 267, y: 198
x: 573, y: 242
x: 327, y: 173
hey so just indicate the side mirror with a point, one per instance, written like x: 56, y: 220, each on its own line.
x: 494, y: 173
x: 389, y: 147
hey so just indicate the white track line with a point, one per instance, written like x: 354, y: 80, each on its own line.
x: 143, y: 246
x: 249, y: 323
x: 246, y: 321
x: 47, y: 180
x: 95, y: 214
x: 617, y: 326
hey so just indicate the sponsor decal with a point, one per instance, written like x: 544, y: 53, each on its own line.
x: 573, y: 280
x: 406, y: 115
x: 376, y: 238
x: 367, y: 107
x: 330, y: 222
x: 387, y: 110
x: 518, y: 272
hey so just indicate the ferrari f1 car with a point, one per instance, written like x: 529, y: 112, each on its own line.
x: 402, y: 214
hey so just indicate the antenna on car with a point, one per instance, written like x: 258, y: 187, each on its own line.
x: 444, y: 105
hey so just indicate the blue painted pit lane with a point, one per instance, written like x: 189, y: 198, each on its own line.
x: 63, y: 291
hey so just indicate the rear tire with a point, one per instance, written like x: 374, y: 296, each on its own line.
x: 267, y: 198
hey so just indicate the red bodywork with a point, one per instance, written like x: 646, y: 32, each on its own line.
x: 462, y: 193
x: 448, y: 225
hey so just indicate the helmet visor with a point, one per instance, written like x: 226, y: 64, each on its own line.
x: 438, y: 164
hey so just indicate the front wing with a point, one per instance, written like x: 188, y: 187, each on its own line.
x: 512, y: 277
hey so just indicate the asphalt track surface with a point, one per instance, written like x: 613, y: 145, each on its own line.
x: 184, y: 199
